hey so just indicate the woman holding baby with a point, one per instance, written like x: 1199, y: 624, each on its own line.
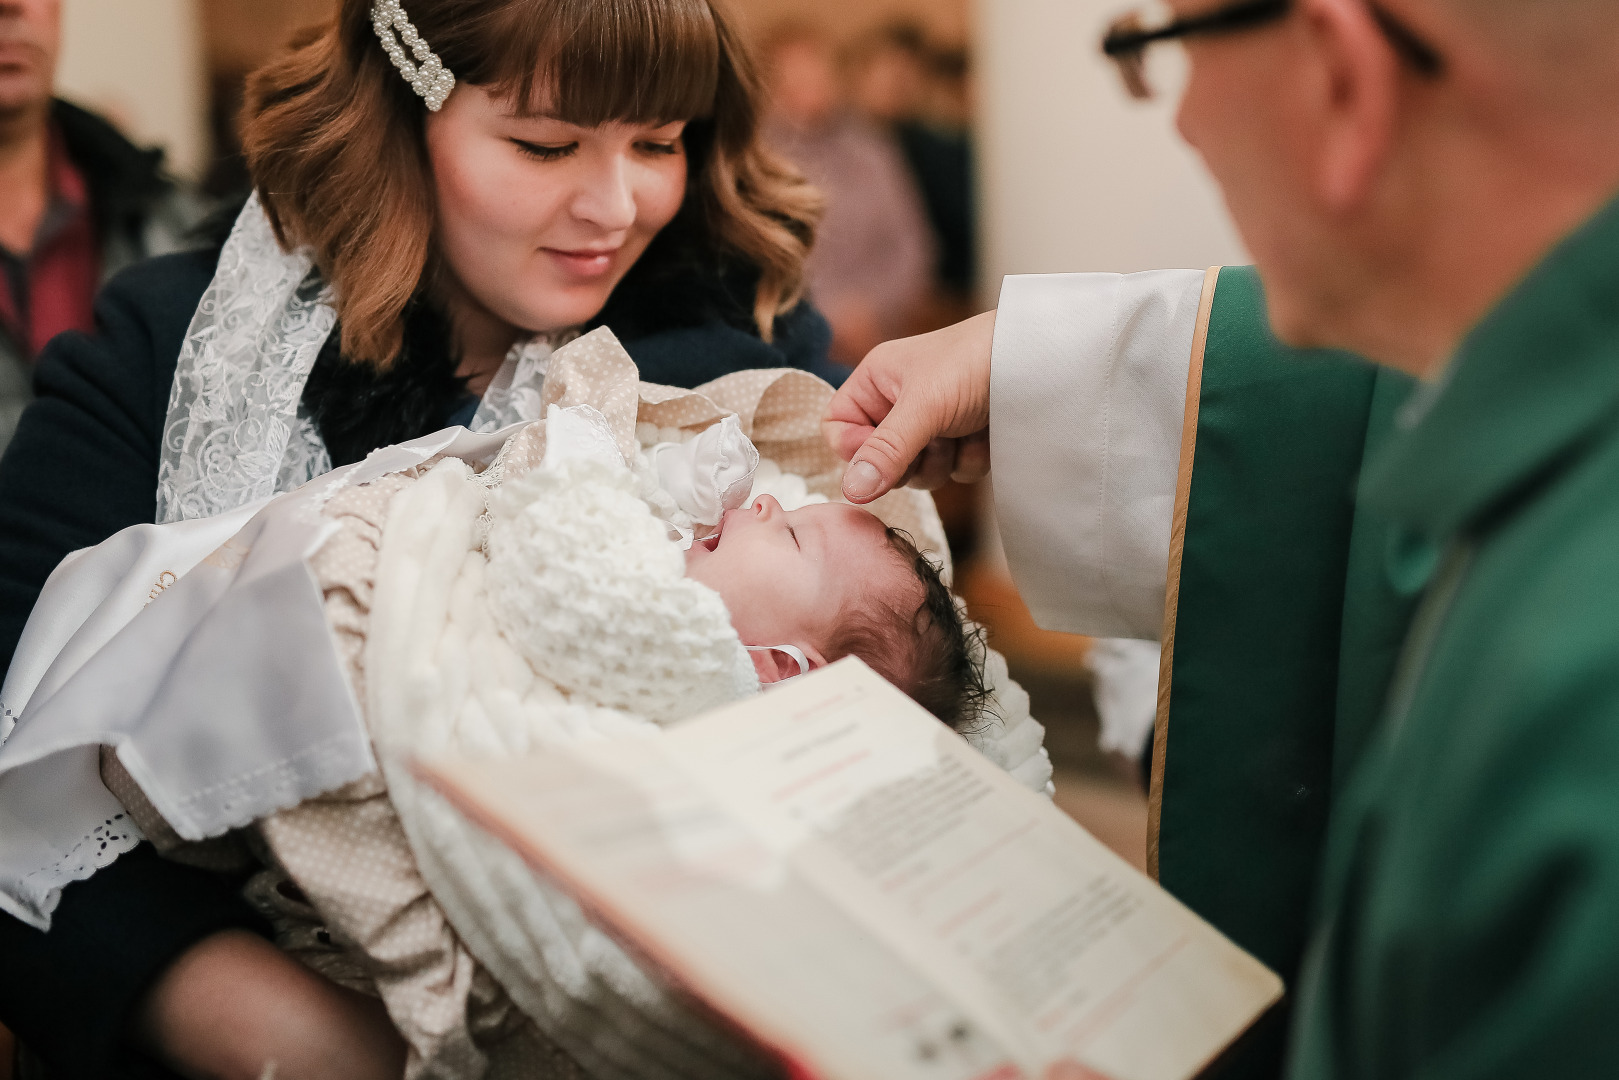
x: 445, y: 190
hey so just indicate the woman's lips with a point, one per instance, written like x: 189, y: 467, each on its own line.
x: 584, y: 262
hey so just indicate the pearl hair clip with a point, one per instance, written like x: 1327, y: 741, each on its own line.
x: 427, y: 75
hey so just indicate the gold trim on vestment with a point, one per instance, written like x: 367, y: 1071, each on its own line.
x: 1177, y: 543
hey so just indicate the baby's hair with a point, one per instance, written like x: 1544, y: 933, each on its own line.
x: 927, y: 651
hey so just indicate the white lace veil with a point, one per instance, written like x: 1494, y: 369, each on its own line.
x: 235, y: 430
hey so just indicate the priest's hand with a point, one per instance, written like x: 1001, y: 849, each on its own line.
x: 916, y: 411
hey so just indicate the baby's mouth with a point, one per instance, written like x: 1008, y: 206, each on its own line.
x: 712, y: 542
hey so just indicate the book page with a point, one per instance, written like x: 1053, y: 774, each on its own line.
x: 867, y: 895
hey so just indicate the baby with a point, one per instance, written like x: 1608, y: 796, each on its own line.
x: 801, y: 588
x: 828, y: 580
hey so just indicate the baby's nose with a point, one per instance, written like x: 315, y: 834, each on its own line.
x: 766, y: 506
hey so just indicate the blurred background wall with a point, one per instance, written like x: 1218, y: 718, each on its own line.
x: 143, y: 65
x: 1074, y: 175
x: 948, y: 21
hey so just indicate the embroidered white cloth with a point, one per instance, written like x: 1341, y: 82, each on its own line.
x: 214, y: 741
x: 515, y: 393
x: 147, y: 703
x: 83, y: 605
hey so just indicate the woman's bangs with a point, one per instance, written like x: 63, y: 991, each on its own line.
x: 593, y: 61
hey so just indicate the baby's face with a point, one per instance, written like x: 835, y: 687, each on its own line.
x: 787, y: 576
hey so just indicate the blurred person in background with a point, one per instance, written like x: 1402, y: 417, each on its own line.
x: 872, y: 265
x: 916, y: 92
x: 78, y: 202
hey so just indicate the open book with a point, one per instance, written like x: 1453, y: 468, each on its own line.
x: 857, y: 889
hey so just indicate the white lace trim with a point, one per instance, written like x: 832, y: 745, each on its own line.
x: 306, y: 456
x: 234, y: 403
x: 278, y: 785
x: 100, y: 847
x: 515, y: 393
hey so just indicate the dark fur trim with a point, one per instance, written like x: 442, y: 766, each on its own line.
x: 358, y: 408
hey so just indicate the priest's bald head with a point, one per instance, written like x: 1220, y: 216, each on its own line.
x: 1395, y: 166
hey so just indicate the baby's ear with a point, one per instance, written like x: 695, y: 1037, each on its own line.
x: 774, y: 664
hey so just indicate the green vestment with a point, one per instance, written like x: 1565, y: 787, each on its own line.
x: 1389, y: 756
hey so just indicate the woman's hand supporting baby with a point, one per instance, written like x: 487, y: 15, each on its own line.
x: 234, y: 1007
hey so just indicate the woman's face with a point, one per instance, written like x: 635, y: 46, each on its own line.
x: 539, y: 219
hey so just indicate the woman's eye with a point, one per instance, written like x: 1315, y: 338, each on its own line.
x: 544, y: 153
x: 661, y: 147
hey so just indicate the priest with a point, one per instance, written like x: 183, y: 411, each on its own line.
x: 1386, y: 758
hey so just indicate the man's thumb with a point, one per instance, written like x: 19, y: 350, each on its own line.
x: 884, y: 458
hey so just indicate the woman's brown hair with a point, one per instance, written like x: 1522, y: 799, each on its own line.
x: 334, y: 138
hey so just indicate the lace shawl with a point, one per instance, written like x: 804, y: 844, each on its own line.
x: 235, y: 431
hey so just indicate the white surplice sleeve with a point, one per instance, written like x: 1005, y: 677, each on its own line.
x: 1087, y: 395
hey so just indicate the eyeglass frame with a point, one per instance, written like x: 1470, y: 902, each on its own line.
x: 1127, y: 40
